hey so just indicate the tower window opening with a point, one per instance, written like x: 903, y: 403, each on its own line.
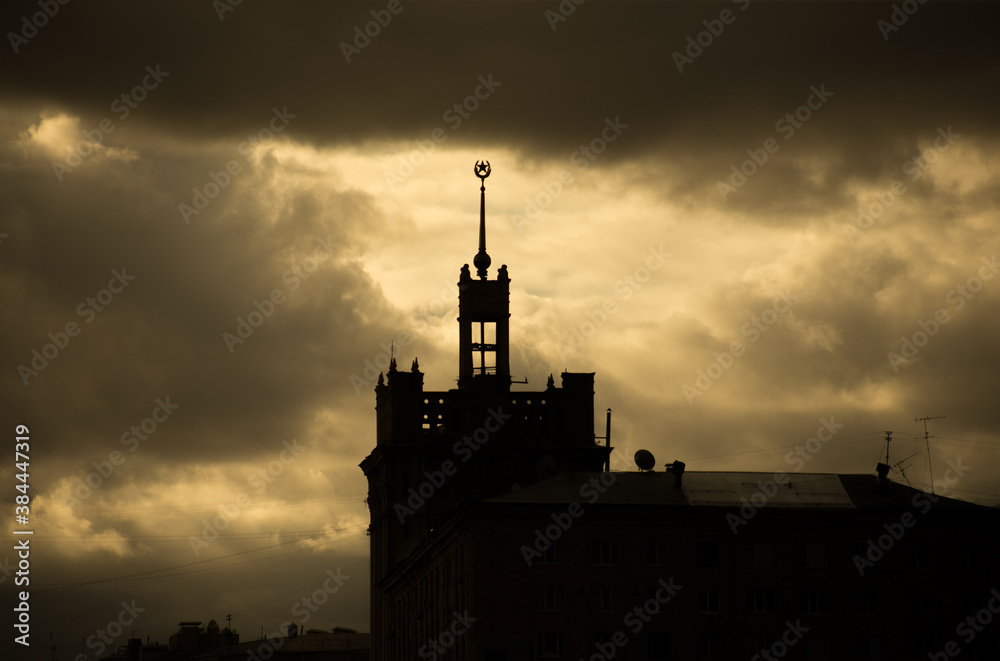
x: 484, y: 347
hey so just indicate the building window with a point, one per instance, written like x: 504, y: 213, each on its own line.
x: 812, y: 601
x: 708, y: 600
x: 707, y: 553
x: 605, y: 600
x: 606, y: 552
x: 605, y: 646
x: 817, y: 647
x: 553, y: 554
x: 708, y: 646
x: 867, y: 648
x: 761, y: 554
x: 812, y: 556
x: 922, y: 556
x: 760, y: 600
x: 867, y: 602
x: 922, y: 605
x: 756, y: 645
x: 657, y: 646
x: 551, y: 644
x: 923, y: 648
x: 656, y: 552
x: 550, y: 598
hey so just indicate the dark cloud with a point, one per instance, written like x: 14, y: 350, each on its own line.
x: 309, y: 137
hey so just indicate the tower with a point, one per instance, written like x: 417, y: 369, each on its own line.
x: 483, y: 314
x: 437, y: 451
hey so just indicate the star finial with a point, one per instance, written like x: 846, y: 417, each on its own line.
x: 482, y: 261
x: 483, y: 170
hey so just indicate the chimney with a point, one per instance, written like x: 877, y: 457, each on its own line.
x: 883, y: 474
x: 677, y: 468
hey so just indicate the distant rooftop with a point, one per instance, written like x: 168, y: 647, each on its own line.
x: 723, y: 489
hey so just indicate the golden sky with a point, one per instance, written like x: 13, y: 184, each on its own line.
x: 798, y: 228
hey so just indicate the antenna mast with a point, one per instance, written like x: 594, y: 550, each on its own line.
x: 927, y: 442
x: 883, y: 468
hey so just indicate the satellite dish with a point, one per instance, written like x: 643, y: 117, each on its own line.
x: 644, y: 460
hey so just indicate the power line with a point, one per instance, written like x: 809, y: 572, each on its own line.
x: 782, y: 447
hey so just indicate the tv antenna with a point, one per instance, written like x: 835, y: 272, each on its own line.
x: 902, y: 469
x: 884, y: 468
x: 927, y: 442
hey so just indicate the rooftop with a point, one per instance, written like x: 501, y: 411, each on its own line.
x: 725, y: 489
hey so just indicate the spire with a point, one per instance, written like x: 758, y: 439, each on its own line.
x: 482, y: 261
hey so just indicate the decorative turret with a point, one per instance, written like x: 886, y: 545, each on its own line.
x: 484, y: 314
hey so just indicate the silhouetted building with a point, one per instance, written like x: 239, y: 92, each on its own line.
x: 189, y: 640
x: 191, y: 637
x: 192, y: 642
x: 498, y: 534
x: 312, y: 645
